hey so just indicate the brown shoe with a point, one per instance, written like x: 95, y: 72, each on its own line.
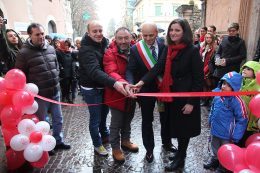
x: 129, y: 146
x: 118, y: 155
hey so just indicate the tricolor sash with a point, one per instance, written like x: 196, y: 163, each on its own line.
x: 147, y: 56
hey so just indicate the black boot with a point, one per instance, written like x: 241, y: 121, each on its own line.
x: 177, y: 163
x: 212, y: 163
x: 178, y: 160
x: 169, y: 147
x: 174, y: 156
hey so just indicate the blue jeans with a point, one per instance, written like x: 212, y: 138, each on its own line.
x: 98, y: 115
x: 56, y: 114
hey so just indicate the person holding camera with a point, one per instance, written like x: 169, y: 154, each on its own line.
x: 10, y: 44
x: 230, y: 54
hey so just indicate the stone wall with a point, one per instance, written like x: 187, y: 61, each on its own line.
x: 192, y: 14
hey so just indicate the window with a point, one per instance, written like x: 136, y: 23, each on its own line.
x: 158, y: 9
x: 52, y: 27
x: 174, y: 12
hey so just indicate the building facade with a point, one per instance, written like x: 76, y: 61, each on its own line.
x: 162, y: 12
x: 127, y: 9
x: 245, y: 12
x: 54, y: 15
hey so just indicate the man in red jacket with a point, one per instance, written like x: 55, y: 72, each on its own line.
x: 115, y: 61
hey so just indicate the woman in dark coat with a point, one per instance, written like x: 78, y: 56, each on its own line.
x: 182, y: 71
x: 10, y: 44
x: 65, y: 56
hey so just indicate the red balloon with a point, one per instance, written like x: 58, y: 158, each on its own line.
x: 232, y: 157
x: 252, y: 156
x: 42, y: 162
x: 15, y: 79
x: 2, y: 84
x: 36, y: 136
x: 10, y: 116
x: 3, y: 98
x: 6, y: 97
x: 253, y: 138
x: 1, y: 108
x: 258, y: 77
x: 254, y: 105
x: 8, y: 134
x: 15, y: 159
x: 22, y: 98
x: 31, y: 117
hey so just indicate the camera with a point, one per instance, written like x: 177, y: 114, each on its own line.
x: 5, y: 21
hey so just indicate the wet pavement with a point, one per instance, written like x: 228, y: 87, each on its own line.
x: 81, y: 158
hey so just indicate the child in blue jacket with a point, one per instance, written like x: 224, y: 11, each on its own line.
x: 227, y: 118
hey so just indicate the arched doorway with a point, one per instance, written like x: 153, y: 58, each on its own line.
x: 52, y: 27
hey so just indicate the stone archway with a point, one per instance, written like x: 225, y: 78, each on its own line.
x: 52, y: 27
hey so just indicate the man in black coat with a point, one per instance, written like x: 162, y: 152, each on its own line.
x: 143, y: 56
x: 37, y: 59
x: 93, y: 79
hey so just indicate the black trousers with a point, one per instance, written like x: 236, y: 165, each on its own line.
x: 65, y: 84
x: 182, y: 146
x: 147, y: 107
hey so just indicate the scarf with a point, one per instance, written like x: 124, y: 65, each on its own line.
x: 167, y: 80
x: 202, y: 38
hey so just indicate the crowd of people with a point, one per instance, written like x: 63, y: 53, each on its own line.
x: 113, y: 72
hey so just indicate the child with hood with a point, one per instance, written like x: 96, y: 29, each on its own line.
x: 227, y: 118
x: 248, y: 71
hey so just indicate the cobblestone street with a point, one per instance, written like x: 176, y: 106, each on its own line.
x: 81, y: 157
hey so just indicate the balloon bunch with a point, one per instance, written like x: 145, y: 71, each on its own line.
x: 241, y: 160
x: 35, y: 140
x: 17, y: 106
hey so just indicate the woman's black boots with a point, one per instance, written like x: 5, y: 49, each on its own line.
x: 178, y: 160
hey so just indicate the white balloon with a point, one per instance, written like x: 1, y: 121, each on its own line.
x: 48, y: 142
x: 26, y: 127
x: 43, y: 127
x: 245, y: 171
x: 19, y: 142
x: 33, y: 152
x: 31, y: 87
x: 31, y: 109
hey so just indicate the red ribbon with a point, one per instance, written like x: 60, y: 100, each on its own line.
x: 69, y: 104
x: 198, y: 94
x: 176, y: 94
